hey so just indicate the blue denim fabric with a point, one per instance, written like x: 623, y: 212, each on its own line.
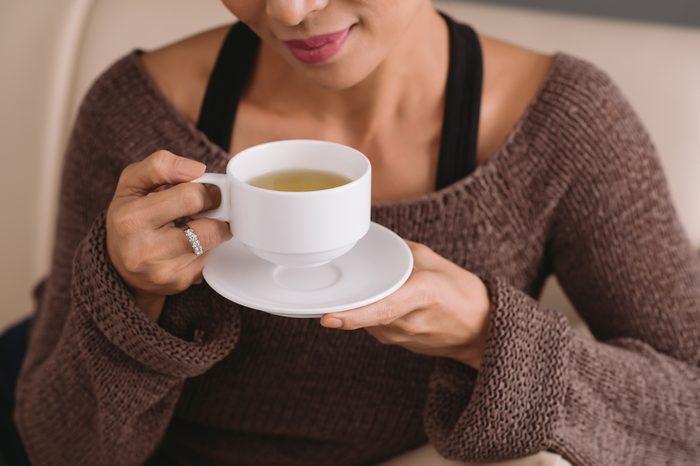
x: 13, y: 347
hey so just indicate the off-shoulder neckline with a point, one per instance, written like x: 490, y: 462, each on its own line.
x: 220, y: 157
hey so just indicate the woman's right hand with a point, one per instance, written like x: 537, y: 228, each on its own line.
x: 151, y: 254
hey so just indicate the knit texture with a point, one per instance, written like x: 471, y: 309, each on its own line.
x: 576, y: 190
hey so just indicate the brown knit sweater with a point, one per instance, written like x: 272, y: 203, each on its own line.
x: 576, y: 190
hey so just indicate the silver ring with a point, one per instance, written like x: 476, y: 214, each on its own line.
x: 194, y: 241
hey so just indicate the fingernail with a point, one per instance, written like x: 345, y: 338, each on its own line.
x: 189, y: 167
x: 332, y: 322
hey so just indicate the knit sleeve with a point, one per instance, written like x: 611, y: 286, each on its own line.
x: 100, y: 381
x: 632, y: 395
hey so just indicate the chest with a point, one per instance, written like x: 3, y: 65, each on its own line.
x: 404, y: 153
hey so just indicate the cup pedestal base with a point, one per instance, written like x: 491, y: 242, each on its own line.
x: 307, y: 278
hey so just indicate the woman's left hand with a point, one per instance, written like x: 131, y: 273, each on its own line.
x: 442, y: 310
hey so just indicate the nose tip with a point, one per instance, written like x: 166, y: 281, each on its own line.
x: 293, y: 12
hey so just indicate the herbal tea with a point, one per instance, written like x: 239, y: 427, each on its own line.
x: 299, y: 180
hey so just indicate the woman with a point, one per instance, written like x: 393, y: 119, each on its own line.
x: 497, y: 172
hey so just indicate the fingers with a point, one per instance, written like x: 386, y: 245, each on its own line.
x: 160, y: 168
x: 163, y: 262
x: 416, y: 293
x: 174, y: 276
x: 403, y: 329
x: 210, y: 233
x: 424, y: 258
x: 184, y: 200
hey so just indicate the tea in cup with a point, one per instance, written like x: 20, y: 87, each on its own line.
x: 295, y: 203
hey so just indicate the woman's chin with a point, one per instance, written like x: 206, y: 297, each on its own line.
x: 336, y: 76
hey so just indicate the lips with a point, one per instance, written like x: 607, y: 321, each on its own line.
x: 317, y: 49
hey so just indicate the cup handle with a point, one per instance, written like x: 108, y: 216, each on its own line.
x: 222, y: 182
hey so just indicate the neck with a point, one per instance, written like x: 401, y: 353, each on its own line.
x: 408, y: 82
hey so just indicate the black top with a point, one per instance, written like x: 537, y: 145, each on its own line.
x: 458, y: 141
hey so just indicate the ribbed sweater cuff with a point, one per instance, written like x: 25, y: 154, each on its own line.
x: 100, y: 291
x: 511, y: 407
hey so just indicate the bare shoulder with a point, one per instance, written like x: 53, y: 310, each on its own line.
x: 181, y: 70
x: 513, y: 75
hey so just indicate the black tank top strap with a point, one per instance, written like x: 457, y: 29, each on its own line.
x: 228, y: 79
x: 458, y: 141
x: 460, y: 130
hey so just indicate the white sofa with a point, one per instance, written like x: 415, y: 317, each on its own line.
x: 51, y: 51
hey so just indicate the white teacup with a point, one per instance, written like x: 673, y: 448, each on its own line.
x: 295, y: 229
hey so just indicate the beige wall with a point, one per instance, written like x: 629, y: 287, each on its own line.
x: 27, y: 56
x: 51, y: 50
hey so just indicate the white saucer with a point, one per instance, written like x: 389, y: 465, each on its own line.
x: 374, y: 268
